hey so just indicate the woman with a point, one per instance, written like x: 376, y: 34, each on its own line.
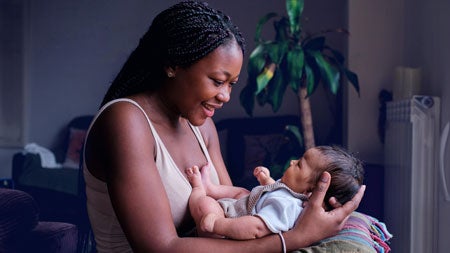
x: 155, y: 121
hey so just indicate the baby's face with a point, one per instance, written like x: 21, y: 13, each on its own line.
x: 300, y: 176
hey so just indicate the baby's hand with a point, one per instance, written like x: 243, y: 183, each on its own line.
x: 262, y: 174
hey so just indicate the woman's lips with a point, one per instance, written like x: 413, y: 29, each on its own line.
x: 209, y: 109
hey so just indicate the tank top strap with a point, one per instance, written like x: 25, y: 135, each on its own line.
x: 155, y: 134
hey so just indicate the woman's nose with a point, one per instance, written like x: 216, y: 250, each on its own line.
x: 224, y: 94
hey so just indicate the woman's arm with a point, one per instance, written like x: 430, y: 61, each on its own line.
x: 134, y: 185
x: 141, y: 203
x: 126, y: 163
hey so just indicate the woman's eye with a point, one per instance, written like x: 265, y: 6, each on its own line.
x: 218, y: 82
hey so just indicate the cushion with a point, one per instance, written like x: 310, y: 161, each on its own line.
x: 75, y: 145
x: 73, y: 142
x: 18, y: 215
x: 18, y: 212
x: 361, y: 233
x: 52, y: 237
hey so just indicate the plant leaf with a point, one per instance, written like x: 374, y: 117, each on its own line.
x: 336, y: 55
x: 312, y: 73
x: 262, y: 21
x: 294, y: 9
x: 262, y: 98
x: 276, y: 90
x: 256, y: 63
x: 264, y: 77
x: 277, y: 51
x: 314, y: 44
x: 295, y: 60
x: 296, y: 131
x: 282, y: 30
x: 353, y: 78
x: 338, y: 59
x: 311, y: 82
x: 329, y: 73
x: 257, y: 59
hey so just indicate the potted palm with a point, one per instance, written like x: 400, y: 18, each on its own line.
x: 294, y: 59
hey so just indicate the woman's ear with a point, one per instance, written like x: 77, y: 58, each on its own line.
x: 170, y: 72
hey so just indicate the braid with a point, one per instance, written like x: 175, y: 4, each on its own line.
x: 179, y: 36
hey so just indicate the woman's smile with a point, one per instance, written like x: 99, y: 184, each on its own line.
x: 210, y: 108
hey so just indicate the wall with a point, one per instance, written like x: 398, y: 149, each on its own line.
x: 390, y: 33
x: 73, y: 49
x: 11, y: 72
x: 375, y: 48
x: 429, y: 38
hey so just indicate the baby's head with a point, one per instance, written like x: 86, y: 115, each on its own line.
x: 346, y: 172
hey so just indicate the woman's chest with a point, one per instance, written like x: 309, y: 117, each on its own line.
x: 185, y: 148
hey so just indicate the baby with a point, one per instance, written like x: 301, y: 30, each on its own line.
x: 274, y: 206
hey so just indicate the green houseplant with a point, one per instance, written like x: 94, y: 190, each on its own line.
x: 296, y: 59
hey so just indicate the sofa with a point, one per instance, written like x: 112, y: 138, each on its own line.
x: 57, y: 187
x: 21, y: 229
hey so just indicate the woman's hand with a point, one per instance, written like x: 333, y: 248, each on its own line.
x: 315, y: 223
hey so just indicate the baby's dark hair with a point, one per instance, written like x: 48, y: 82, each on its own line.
x: 347, y: 173
x: 178, y: 36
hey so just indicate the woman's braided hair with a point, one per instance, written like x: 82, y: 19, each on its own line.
x: 178, y: 36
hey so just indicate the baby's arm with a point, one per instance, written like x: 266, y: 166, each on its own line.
x: 241, y: 228
x: 219, y: 191
x: 262, y: 174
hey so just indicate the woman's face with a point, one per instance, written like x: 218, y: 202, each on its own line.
x: 198, y: 90
x: 301, y: 174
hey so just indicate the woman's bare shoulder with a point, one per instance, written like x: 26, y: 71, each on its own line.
x: 120, y: 128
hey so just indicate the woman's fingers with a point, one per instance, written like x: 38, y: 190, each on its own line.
x: 339, y: 210
x: 318, y: 193
x: 353, y: 204
x: 320, y: 223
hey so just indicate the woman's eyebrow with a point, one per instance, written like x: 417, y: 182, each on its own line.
x: 226, y: 73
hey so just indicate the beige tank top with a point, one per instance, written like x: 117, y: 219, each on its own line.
x: 108, y: 234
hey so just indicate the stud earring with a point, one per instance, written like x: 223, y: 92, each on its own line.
x: 170, y: 74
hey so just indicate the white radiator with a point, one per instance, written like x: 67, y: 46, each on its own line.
x: 411, y: 167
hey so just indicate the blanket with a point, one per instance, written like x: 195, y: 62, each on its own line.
x: 361, y: 233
